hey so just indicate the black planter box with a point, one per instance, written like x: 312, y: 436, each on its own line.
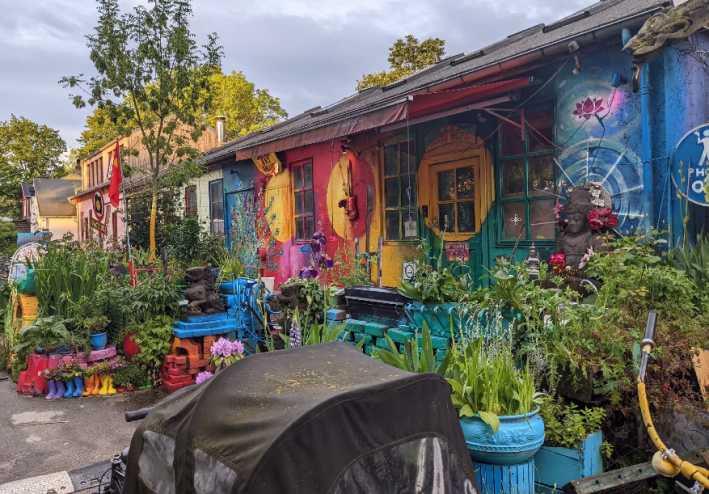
x: 380, y: 305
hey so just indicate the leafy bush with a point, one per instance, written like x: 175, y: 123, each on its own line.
x: 412, y: 360
x: 694, y: 261
x: 130, y: 375
x: 155, y: 296
x: 8, y: 238
x: 315, y: 296
x: 566, y: 426
x: 153, y: 336
x: 347, y: 270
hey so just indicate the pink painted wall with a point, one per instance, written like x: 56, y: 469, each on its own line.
x: 86, y: 208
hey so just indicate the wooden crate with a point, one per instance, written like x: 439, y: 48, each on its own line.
x: 559, y: 466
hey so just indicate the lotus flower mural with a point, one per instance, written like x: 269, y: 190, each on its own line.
x: 590, y: 107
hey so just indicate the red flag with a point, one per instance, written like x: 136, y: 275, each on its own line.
x: 114, y: 168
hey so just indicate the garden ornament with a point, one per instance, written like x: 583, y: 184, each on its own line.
x: 69, y: 388
x: 52, y: 390
x: 60, y: 389
x: 78, y: 386
x: 201, y: 293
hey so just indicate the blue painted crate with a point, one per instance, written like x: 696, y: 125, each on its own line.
x: 505, y: 479
x: 559, y: 466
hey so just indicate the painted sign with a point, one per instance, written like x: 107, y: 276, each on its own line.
x: 28, y: 238
x: 690, y: 162
x: 409, y: 270
x: 99, y: 207
x: 268, y: 164
x: 18, y: 267
x: 457, y: 252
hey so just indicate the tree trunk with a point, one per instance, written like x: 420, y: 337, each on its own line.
x: 153, y: 218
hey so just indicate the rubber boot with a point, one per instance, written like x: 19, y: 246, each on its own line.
x: 104, y: 386
x: 79, y: 385
x: 52, y: 389
x: 111, y: 389
x: 88, y: 386
x: 60, y: 389
x: 69, y: 389
x: 97, y: 385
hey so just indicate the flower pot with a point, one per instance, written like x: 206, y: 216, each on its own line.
x: 130, y: 347
x: 436, y: 316
x: 130, y: 388
x: 519, y: 437
x: 99, y: 341
x: 559, y: 466
x: 120, y: 389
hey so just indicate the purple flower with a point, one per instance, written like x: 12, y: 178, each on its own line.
x: 329, y: 263
x: 294, y: 334
x: 316, y: 247
x: 239, y: 347
x: 223, y: 348
x: 203, y: 376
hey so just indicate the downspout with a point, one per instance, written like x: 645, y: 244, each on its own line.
x: 645, y: 91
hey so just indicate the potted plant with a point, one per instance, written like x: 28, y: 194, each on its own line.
x: 574, y: 444
x: 103, y: 370
x: 54, y: 383
x: 97, y: 331
x: 119, y: 376
x: 497, y: 403
x: 89, y: 381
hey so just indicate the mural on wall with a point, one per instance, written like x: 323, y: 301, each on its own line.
x: 598, y: 133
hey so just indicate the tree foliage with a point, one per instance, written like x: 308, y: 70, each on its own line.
x: 406, y: 56
x: 28, y: 150
x: 247, y: 108
x: 151, y: 75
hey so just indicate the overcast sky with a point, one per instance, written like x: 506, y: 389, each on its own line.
x: 306, y: 52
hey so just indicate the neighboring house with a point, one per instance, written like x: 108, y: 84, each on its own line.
x: 108, y: 225
x: 489, y: 140
x: 46, y: 207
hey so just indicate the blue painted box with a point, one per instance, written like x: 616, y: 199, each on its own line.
x: 557, y: 467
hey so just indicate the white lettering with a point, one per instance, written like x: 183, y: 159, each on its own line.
x: 700, y: 172
x: 698, y: 186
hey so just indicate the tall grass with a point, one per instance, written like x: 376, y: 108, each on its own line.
x: 64, y: 275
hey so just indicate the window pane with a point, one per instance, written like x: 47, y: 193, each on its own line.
x: 392, y: 225
x: 541, y: 121
x: 297, y: 177
x: 542, y: 223
x: 446, y: 185
x: 466, y: 217
x: 465, y: 182
x: 541, y: 175
x: 408, y: 156
x: 309, y: 226
x: 409, y: 224
x: 391, y: 165
x: 511, y: 135
x: 308, y: 202
x: 299, y: 230
x: 407, y: 180
x: 298, y: 203
x: 308, y: 176
x: 391, y: 193
x: 512, y: 219
x: 446, y: 213
x: 216, y: 191
x: 513, y: 178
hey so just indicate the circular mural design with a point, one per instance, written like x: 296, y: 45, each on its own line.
x: 620, y: 173
x: 336, y: 193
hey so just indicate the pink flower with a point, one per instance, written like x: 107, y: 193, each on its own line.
x: 239, y: 347
x: 587, y: 109
x: 561, y: 224
x: 203, y: 376
x: 612, y: 221
x: 557, y: 259
x: 592, y: 215
x: 604, y: 212
x: 558, y: 209
x: 586, y: 257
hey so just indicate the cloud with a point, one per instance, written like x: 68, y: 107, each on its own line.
x: 306, y: 52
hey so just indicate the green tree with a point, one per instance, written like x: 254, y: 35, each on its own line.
x: 27, y: 150
x: 247, y: 108
x: 406, y: 56
x: 151, y: 75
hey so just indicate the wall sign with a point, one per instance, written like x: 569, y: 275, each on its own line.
x: 693, y: 152
x: 99, y: 207
x: 269, y: 164
x: 457, y: 252
x: 97, y: 225
x: 409, y: 270
x: 29, y: 252
x: 28, y: 238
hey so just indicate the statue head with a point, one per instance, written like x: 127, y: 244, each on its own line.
x: 576, y: 223
x: 582, y: 199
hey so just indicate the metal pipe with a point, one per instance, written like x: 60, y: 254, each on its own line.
x: 380, y: 249
x: 645, y: 91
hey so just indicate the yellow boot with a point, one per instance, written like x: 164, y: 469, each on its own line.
x: 104, y: 386
x: 111, y: 389
x: 97, y: 385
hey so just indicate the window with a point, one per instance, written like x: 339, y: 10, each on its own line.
x: 528, y: 183
x: 400, y: 210
x: 100, y: 169
x: 216, y: 201
x: 191, y: 201
x: 114, y: 225
x: 304, y: 201
x: 454, y: 194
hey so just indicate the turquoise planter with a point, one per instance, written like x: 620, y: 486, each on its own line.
x: 435, y: 315
x: 557, y: 467
x: 519, y: 437
x: 99, y: 341
x: 506, y: 479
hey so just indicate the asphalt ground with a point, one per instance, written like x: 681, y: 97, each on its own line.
x: 87, y: 433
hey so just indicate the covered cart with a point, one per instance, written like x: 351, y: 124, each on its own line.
x: 317, y: 419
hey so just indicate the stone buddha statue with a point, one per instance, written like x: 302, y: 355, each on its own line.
x: 578, y: 236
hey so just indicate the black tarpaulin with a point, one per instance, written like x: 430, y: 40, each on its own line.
x: 317, y: 419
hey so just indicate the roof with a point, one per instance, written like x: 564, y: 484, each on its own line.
x: 27, y: 190
x: 608, y: 13
x: 53, y: 194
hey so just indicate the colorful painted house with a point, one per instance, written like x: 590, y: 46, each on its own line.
x: 95, y: 216
x: 45, y: 205
x: 482, y: 145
